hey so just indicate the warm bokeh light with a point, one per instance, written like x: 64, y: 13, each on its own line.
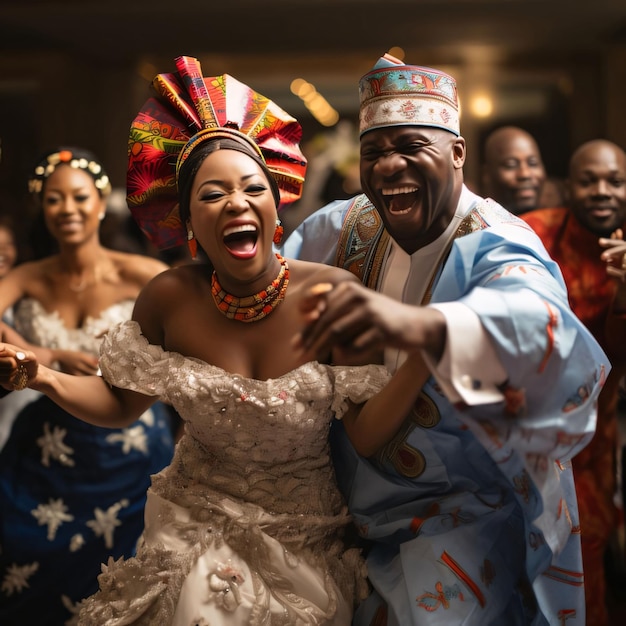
x: 315, y: 102
x: 296, y: 84
x: 481, y: 105
x: 147, y: 71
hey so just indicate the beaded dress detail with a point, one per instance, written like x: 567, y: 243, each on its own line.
x: 245, y: 526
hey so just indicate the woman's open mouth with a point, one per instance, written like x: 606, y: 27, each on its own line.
x: 241, y: 240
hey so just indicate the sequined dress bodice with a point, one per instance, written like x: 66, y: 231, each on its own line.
x: 250, y: 492
x: 264, y: 442
x: 47, y: 329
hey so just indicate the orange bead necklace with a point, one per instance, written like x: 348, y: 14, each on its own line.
x: 255, y: 307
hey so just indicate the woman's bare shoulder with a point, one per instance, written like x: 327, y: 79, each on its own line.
x: 137, y: 267
x: 309, y: 272
x: 165, y: 295
x: 177, y: 286
x: 40, y: 269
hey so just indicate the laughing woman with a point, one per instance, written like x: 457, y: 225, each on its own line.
x: 245, y: 526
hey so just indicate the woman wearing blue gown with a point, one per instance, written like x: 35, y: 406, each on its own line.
x: 71, y: 494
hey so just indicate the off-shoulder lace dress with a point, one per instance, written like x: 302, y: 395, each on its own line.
x: 245, y: 526
x: 71, y: 494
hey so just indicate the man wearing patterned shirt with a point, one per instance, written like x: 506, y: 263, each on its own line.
x: 469, y: 511
x: 578, y: 239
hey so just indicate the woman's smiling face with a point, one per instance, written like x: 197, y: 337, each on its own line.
x: 72, y: 205
x: 233, y: 216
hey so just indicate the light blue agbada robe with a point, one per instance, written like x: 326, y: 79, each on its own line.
x: 470, y: 513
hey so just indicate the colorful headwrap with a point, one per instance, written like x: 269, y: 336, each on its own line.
x: 74, y: 157
x: 187, y: 110
x: 393, y: 94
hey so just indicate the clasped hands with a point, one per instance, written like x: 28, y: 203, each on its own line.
x: 353, y: 321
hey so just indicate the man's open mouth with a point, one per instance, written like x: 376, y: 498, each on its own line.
x: 400, y: 200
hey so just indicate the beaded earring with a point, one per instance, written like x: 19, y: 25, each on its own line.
x: 192, y: 244
x: 278, y: 233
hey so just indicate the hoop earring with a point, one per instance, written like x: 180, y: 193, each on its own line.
x: 192, y: 244
x: 278, y: 233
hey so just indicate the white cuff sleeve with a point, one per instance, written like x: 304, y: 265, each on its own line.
x: 469, y: 370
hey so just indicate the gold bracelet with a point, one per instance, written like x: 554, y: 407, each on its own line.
x: 21, y: 379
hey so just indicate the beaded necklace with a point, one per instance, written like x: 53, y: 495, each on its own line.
x: 257, y: 306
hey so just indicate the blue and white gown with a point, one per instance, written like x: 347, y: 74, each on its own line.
x: 71, y: 494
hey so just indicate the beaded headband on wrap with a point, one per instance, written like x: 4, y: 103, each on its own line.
x: 76, y: 158
x: 188, y: 110
x: 393, y: 94
x: 214, y: 133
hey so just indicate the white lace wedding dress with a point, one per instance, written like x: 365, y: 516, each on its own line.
x: 245, y: 526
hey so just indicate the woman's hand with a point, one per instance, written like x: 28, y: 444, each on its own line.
x: 18, y: 367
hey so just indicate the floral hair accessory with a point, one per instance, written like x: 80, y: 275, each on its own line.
x: 74, y: 157
x: 186, y: 111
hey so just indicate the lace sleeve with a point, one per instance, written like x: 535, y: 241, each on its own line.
x: 128, y: 361
x: 357, y: 384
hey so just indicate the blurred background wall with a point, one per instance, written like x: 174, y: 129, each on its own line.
x: 76, y: 72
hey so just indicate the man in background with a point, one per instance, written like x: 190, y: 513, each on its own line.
x: 579, y: 239
x: 513, y: 172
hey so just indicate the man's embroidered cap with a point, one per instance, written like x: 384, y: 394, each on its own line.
x: 394, y: 94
